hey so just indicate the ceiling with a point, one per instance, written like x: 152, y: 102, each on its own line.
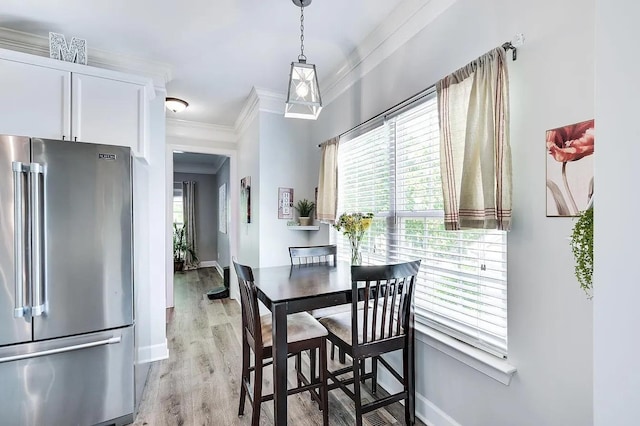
x: 187, y: 162
x: 217, y: 49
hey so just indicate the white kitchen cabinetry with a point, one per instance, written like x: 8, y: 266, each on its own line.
x: 108, y: 111
x: 46, y: 98
x: 35, y: 101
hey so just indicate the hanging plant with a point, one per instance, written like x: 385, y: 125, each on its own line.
x: 582, y: 247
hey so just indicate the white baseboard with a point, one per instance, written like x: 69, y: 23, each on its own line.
x: 211, y: 264
x: 153, y: 353
x: 429, y: 413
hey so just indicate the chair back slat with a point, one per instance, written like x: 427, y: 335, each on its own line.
x: 388, y: 298
x: 313, y: 255
x: 249, y: 301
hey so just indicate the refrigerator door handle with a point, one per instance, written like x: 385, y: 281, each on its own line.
x: 103, y: 342
x: 38, y: 301
x: 21, y: 309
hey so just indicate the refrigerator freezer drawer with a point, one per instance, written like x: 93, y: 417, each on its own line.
x: 80, y: 380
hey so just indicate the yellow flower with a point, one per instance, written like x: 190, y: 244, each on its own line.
x: 354, y: 225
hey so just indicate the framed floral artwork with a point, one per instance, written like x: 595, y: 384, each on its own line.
x: 570, y: 168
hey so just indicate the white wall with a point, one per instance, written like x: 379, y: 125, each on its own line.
x: 224, y: 249
x: 249, y: 165
x: 285, y: 161
x: 616, y: 289
x: 149, y: 217
x: 550, y: 320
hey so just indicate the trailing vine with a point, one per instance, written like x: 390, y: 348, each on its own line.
x: 582, y: 247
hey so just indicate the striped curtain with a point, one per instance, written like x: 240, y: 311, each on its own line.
x: 475, y: 154
x: 328, y: 181
x: 189, y: 206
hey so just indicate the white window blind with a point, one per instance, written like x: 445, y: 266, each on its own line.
x: 394, y: 172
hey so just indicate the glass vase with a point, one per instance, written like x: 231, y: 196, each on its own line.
x: 356, y: 255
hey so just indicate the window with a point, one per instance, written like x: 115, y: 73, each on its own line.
x: 393, y: 170
x: 178, y: 209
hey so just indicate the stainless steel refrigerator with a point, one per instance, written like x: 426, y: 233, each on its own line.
x: 66, y: 283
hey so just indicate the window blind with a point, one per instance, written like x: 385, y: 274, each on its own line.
x: 393, y: 171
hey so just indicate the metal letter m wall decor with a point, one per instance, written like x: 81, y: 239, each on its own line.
x: 76, y: 51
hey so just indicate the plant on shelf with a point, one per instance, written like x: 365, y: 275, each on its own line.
x: 180, y: 247
x: 354, y: 226
x: 305, y: 208
x: 582, y: 247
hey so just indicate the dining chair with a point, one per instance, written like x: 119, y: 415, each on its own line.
x: 310, y: 255
x: 303, y: 333
x: 314, y: 256
x: 385, y: 325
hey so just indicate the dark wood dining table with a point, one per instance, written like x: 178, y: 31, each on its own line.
x: 289, y: 289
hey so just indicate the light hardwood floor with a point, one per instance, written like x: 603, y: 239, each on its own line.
x: 200, y: 382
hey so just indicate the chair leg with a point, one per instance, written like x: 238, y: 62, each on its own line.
x: 374, y: 375
x: 356, y: 390
x: 324, y: 394
x: 312, y: 367
x: 408, y: 364
x: 333, y: 351
x: 257, y: 393
x: 244, y: 377
x: 341, y: 356
x: 298, y: 368
x: 363, y: 370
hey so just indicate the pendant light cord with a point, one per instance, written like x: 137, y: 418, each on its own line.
x: 301, y: 57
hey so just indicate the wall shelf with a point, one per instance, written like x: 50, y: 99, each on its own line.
x: 304, y: 228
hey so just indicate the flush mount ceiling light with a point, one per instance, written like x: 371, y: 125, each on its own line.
x: 175, y: 104
x: 303, y: 97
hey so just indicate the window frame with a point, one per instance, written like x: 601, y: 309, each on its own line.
x: 393, y: 218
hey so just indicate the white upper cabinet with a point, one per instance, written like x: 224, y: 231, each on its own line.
x: 52, y: 99
x: 35, y: 101
x: 108, y: 111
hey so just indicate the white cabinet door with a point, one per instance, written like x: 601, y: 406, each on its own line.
x: 34, y: 101
x: 109, y: 112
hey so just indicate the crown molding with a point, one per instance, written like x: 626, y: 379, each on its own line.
x: 404, y: 22
x: 33, y: 44
x: 200, y: 169
x: 248, y: 112
x: 259, y: 100
x: 198, y: 130
x: 271, y: 101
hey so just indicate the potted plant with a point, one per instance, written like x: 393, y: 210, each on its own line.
x: 305, y: 208
x: 180, y: 247
x: 582, y: 247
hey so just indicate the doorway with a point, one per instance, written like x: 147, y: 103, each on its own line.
x: 204, y: 180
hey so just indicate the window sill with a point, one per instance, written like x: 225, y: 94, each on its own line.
x: 494, y: 367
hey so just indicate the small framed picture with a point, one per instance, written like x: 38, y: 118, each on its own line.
x: 285, y: 203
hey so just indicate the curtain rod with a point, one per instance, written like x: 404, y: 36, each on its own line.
x: 416, y: 97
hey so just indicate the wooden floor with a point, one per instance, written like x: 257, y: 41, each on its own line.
x: 200, y: 382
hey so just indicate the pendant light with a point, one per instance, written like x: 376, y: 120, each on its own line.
x: 303, y: 97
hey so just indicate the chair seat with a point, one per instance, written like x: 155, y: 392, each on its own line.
x: 332, y: 310
x: 340, y: 325
x: 300, y: 326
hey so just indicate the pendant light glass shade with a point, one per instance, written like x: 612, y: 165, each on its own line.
x: 303, y: 98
